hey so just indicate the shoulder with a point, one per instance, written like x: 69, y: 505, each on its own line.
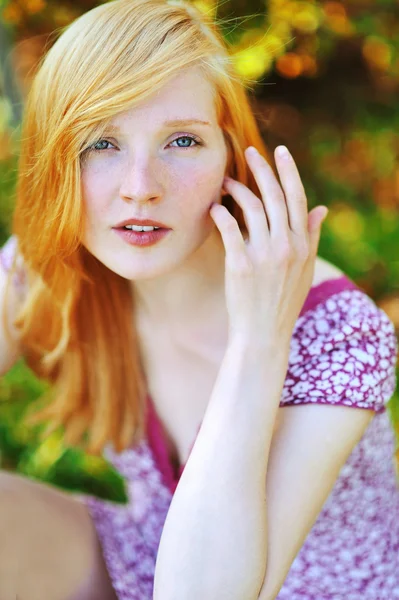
x: 325, y: 271
x: 343, y: 348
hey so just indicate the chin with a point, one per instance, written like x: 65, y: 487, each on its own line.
x: 128, y: 271
x: 140, y: 268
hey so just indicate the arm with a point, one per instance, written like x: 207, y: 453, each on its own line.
x: 311, y: 445
x: 230, y: 532
x: 215, y: 540
x: 214, y: 543
x: 224, y: 536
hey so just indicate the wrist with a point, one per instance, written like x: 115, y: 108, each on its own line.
x: 264, y: 365
x: 276, y: 347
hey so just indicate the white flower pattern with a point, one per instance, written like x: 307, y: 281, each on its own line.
x: 343, y: 351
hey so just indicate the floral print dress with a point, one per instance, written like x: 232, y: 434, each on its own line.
x: 343, y: 352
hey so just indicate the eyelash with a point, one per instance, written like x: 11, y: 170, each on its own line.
x: 190, y: 137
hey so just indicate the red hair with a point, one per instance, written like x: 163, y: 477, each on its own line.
x: 76, y: 320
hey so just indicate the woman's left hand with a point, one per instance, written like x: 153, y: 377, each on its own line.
x: 268, y: 275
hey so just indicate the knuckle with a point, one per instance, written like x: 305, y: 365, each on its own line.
x: 264, y: 164
x: 300, y: 196
x: 230, y: 222
x: 256, y: 205
x: 263, y: 259
x: 279, y: 197
x: 243, y: 266
x: 303, y: 253
x: 285, y: 252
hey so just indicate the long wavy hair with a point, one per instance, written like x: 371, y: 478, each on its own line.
x: 75, y: 323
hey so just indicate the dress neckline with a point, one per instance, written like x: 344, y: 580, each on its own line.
x: 156, y: 436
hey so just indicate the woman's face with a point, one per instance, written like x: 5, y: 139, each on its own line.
x: 148, y: 166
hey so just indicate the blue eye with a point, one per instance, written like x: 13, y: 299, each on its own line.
x: 100, y: 143
x: 104, y: 144
x: 190, y: 138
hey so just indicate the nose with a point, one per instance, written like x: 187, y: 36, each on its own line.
x: 141, y: 181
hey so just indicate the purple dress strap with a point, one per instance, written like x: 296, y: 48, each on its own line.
x: 156, y: 438
x: 156, y: 435
x: 352, y: 549
x: 325, y: 289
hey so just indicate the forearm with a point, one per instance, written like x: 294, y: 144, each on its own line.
x: 214, y: 541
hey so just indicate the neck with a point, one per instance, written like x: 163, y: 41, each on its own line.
x: 188, y: 296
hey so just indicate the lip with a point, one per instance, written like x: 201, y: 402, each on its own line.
x: 142, y: 239
x: 140, y: 222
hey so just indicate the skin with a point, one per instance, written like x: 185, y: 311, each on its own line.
x: 267, y: 280
x: 144, y: 172
x: 172, y: 281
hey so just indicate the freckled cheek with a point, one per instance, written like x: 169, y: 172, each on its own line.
x: 210, y: 177
x: 203, y: 185
x: 98, y: 189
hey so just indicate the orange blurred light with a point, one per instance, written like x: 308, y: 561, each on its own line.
x: 339, y: 24
x: 289, y: 65
x: 12, y: 14
x: 333, y: 9
x: 377, y: 53
x: 309, y: 65
x: 396, y: 185
x: 358, y: 150
x: 34, y: 6
x: 63, y: 15
x: 384, y: 193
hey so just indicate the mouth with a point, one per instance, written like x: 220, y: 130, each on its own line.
x: 146, y: 236
x: 129, y: 223
x: 139, y: 228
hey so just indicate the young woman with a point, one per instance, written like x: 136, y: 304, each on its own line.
x: 227, y: 371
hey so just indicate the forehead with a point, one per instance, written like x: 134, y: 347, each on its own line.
x: 188, y: 96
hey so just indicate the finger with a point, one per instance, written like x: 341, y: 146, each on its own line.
x: 291, y: 183
x: 253, y: 210
x: 271, y: 192
x: 236, y: 253
x: 316, y: 218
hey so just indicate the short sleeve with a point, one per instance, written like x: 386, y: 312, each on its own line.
x: 7, y: 254
x: 343, y: 352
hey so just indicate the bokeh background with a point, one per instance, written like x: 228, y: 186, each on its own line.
x: 323, y: 77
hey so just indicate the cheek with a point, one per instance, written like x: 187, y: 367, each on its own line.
x: 97, y: 187
x: 199, y: 185
x: 210, y: 175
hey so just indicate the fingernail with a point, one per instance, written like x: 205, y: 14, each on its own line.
x: 252, y: 151
x: 325, y: 215
x: 282, y: 152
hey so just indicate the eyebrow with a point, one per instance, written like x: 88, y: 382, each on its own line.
x: 170, y: 123
x: 180, y: 122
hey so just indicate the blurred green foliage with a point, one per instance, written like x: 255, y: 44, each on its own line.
x: 50, y: 461
x: 324, y: 80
